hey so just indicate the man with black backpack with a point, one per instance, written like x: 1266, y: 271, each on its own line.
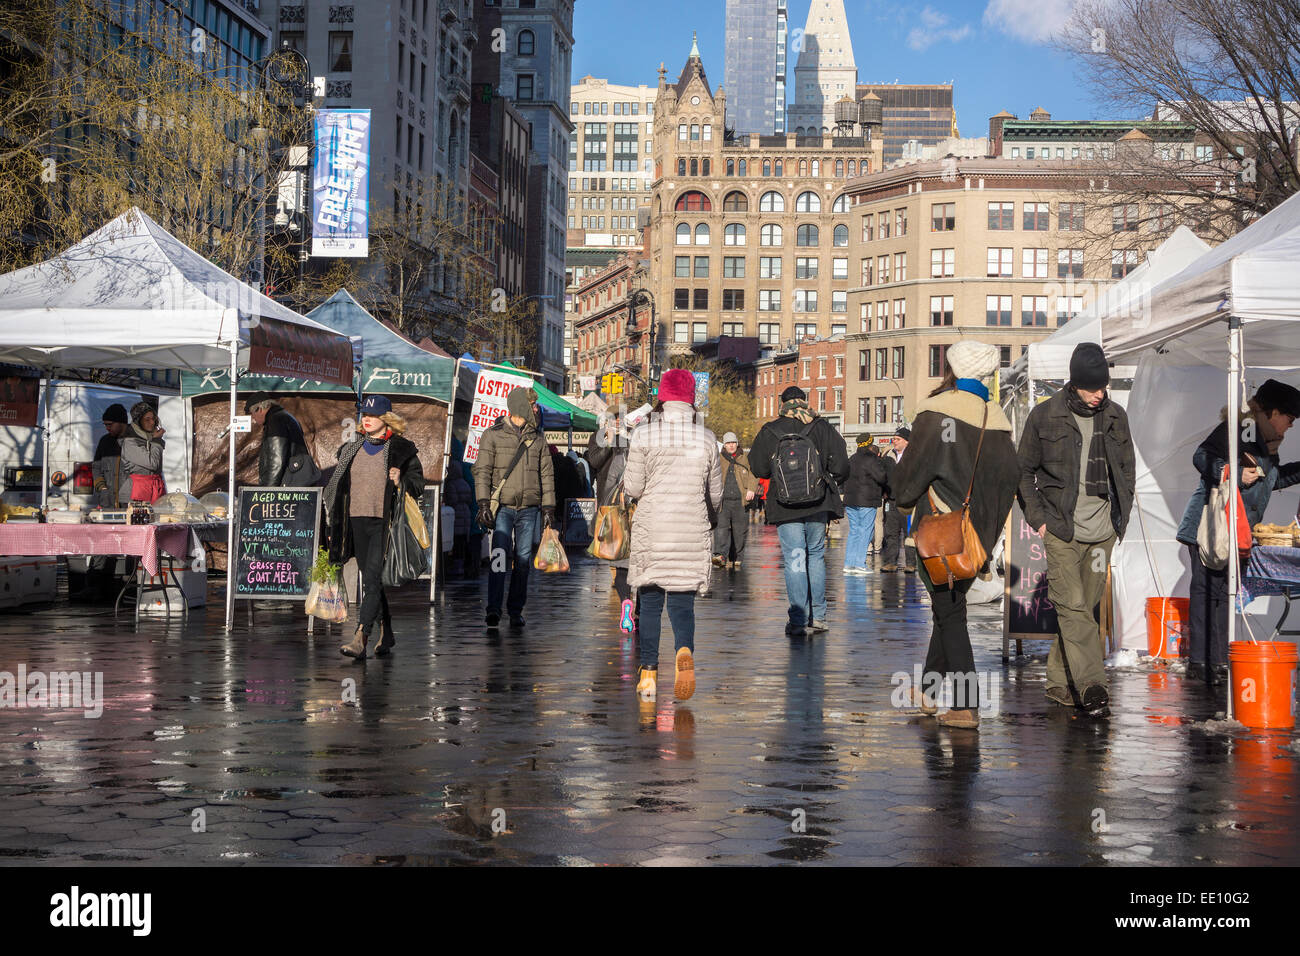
x: 807, y: 462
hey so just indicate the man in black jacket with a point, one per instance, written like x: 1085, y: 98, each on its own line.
x: 1077, y: 477
x: 801, y: 527
x: 283, y: 459
x: 895, y: 521
x: 862, y: 499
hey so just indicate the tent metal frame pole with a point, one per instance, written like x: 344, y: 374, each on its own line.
x: 1234, y: 434
x: 231, y: 504
x: 45, y: 436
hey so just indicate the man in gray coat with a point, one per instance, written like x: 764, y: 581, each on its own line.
x: 514, y: 466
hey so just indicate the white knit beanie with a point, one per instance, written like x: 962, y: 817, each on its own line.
x: 971, y: 359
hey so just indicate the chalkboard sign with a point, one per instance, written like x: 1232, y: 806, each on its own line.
x: 1027, y: 613
x: 580, y: 521
x: 276, y: 542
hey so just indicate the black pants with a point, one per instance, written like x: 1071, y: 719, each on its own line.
x: 950, y: 651
x: 895, y: 532
x: 620, y: 584
x: 368, y: 541
x: 1207, y: 625
x: 732, y: 529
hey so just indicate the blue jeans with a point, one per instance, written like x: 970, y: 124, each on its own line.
x: 862, y: 525
x: 803, y: 550
x: 524, y: 523
x: 681, y: 613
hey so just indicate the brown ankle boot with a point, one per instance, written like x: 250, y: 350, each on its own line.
x: 386, y: 639
x: 357, y: 648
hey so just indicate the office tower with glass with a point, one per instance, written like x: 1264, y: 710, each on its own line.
x: 754, y: 67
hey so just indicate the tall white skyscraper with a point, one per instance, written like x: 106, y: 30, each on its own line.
x: 754, y: 66
x: 825, y: 71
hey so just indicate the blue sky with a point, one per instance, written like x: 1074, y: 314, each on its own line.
x: 995, y: 50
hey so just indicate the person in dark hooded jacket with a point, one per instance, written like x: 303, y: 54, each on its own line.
x: 932, y: 478
x: 283, y: 460
x: 863, y: 495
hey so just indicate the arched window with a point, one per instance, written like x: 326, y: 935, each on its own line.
x: 803, y: 167
x: 695, y: 132
x: 841, y: 236
x: 778, y: 168
x: 841, y: 204
x: 770, y: 235
x: 733, y: 235
x: 853, y: 168
x: 767, y: 167
x: 839, y: 169
x: 706, y: 166
x: 864, y: 167
x: 808, y: 202
x: 806, y: 236
x: 735, y: 201
x: 683, y: 234
x: 693, y: 201
x: 771, y: 201
x: 695, y: 167
x: 526, y: 43
x: 702, y: 235
x: 731, y: 167
x: 681, y: 167
x: 816, y: 168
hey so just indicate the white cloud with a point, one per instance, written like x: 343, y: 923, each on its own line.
x: 1035, y: 21
x: 935, y: 29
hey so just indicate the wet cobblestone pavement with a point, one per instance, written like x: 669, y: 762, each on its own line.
x: 539, y: 732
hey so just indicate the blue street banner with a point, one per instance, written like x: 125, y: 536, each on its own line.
x: 340, y: 193
x: 701, y: 390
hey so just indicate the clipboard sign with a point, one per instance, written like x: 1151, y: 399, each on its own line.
x: 1027, y: 614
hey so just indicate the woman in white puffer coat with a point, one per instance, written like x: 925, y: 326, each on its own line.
x: 673, y: 472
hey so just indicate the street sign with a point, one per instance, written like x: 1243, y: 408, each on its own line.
x: 611, y: 383
x: 587, y: 383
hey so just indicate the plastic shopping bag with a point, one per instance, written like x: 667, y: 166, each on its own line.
x: 1212, y: 537
x: 404, y: 559
x: 328, y: 601
x: 550, y: 555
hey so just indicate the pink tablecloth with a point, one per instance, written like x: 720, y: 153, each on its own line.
x: 142, y: 541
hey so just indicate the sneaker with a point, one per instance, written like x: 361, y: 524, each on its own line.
x: 818, y: 626
x: 684, y: 685
x: 645, y: 682
x: 628, y: 622
x: 794, y: 630
x: 719, y: 561
x: 849, y: 570
x: 493, y: 618
x: 517, y: 620
x: 735, y: 565
x: 1096, y: 701
x: 1060, y: 695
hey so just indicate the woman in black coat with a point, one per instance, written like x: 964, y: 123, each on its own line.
x: 361, y: 498
x: 607, y: 455
x: 940, y: 458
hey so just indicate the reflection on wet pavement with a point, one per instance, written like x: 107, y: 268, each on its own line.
x: 469, y: 746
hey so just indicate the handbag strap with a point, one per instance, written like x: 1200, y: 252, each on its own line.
x: 519, y: 453
x: 975, y: 467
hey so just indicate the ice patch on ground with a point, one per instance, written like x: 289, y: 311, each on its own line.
x: 1213, y: 726
x: 1124, y: 657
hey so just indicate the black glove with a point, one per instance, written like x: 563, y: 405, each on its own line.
x: 485, y: 518
x: 548, y: 517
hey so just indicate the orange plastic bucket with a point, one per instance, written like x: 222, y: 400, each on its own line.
x: 1263, y: 683
x: 1166, y: 625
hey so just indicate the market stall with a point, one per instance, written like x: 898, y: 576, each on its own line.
x: 1204, y: 338
x: 131, y: 295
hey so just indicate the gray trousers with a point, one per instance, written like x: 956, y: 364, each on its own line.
x: 732, y: 529
x: 1076, y: 579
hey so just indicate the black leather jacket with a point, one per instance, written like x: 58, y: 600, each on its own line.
x: 281, y: 440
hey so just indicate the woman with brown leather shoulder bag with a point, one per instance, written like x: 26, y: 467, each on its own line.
x: 960, y: 475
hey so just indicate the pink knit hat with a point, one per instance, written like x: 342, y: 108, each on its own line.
x: 677, y: 385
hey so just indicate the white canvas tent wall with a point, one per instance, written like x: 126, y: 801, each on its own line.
x: 1191, y: 363
x: 131, y: 295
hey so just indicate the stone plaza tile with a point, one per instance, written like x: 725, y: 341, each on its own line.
x: 297, y: 755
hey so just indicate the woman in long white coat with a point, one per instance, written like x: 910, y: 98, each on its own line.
x: 674, y: 474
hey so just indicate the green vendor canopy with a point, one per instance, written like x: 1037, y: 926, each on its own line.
x: 391, y: 365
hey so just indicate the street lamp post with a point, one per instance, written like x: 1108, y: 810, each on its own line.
x: 633, y: 331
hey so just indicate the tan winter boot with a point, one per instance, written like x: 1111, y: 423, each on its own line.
x: 386, y: 639
x: 357, y: 648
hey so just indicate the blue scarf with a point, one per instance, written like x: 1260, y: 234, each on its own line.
x: 974, y: 386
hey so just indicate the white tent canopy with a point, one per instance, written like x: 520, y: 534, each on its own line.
x: 1050, y: 358
x: 131, y: 295
x: 1188, y: 369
